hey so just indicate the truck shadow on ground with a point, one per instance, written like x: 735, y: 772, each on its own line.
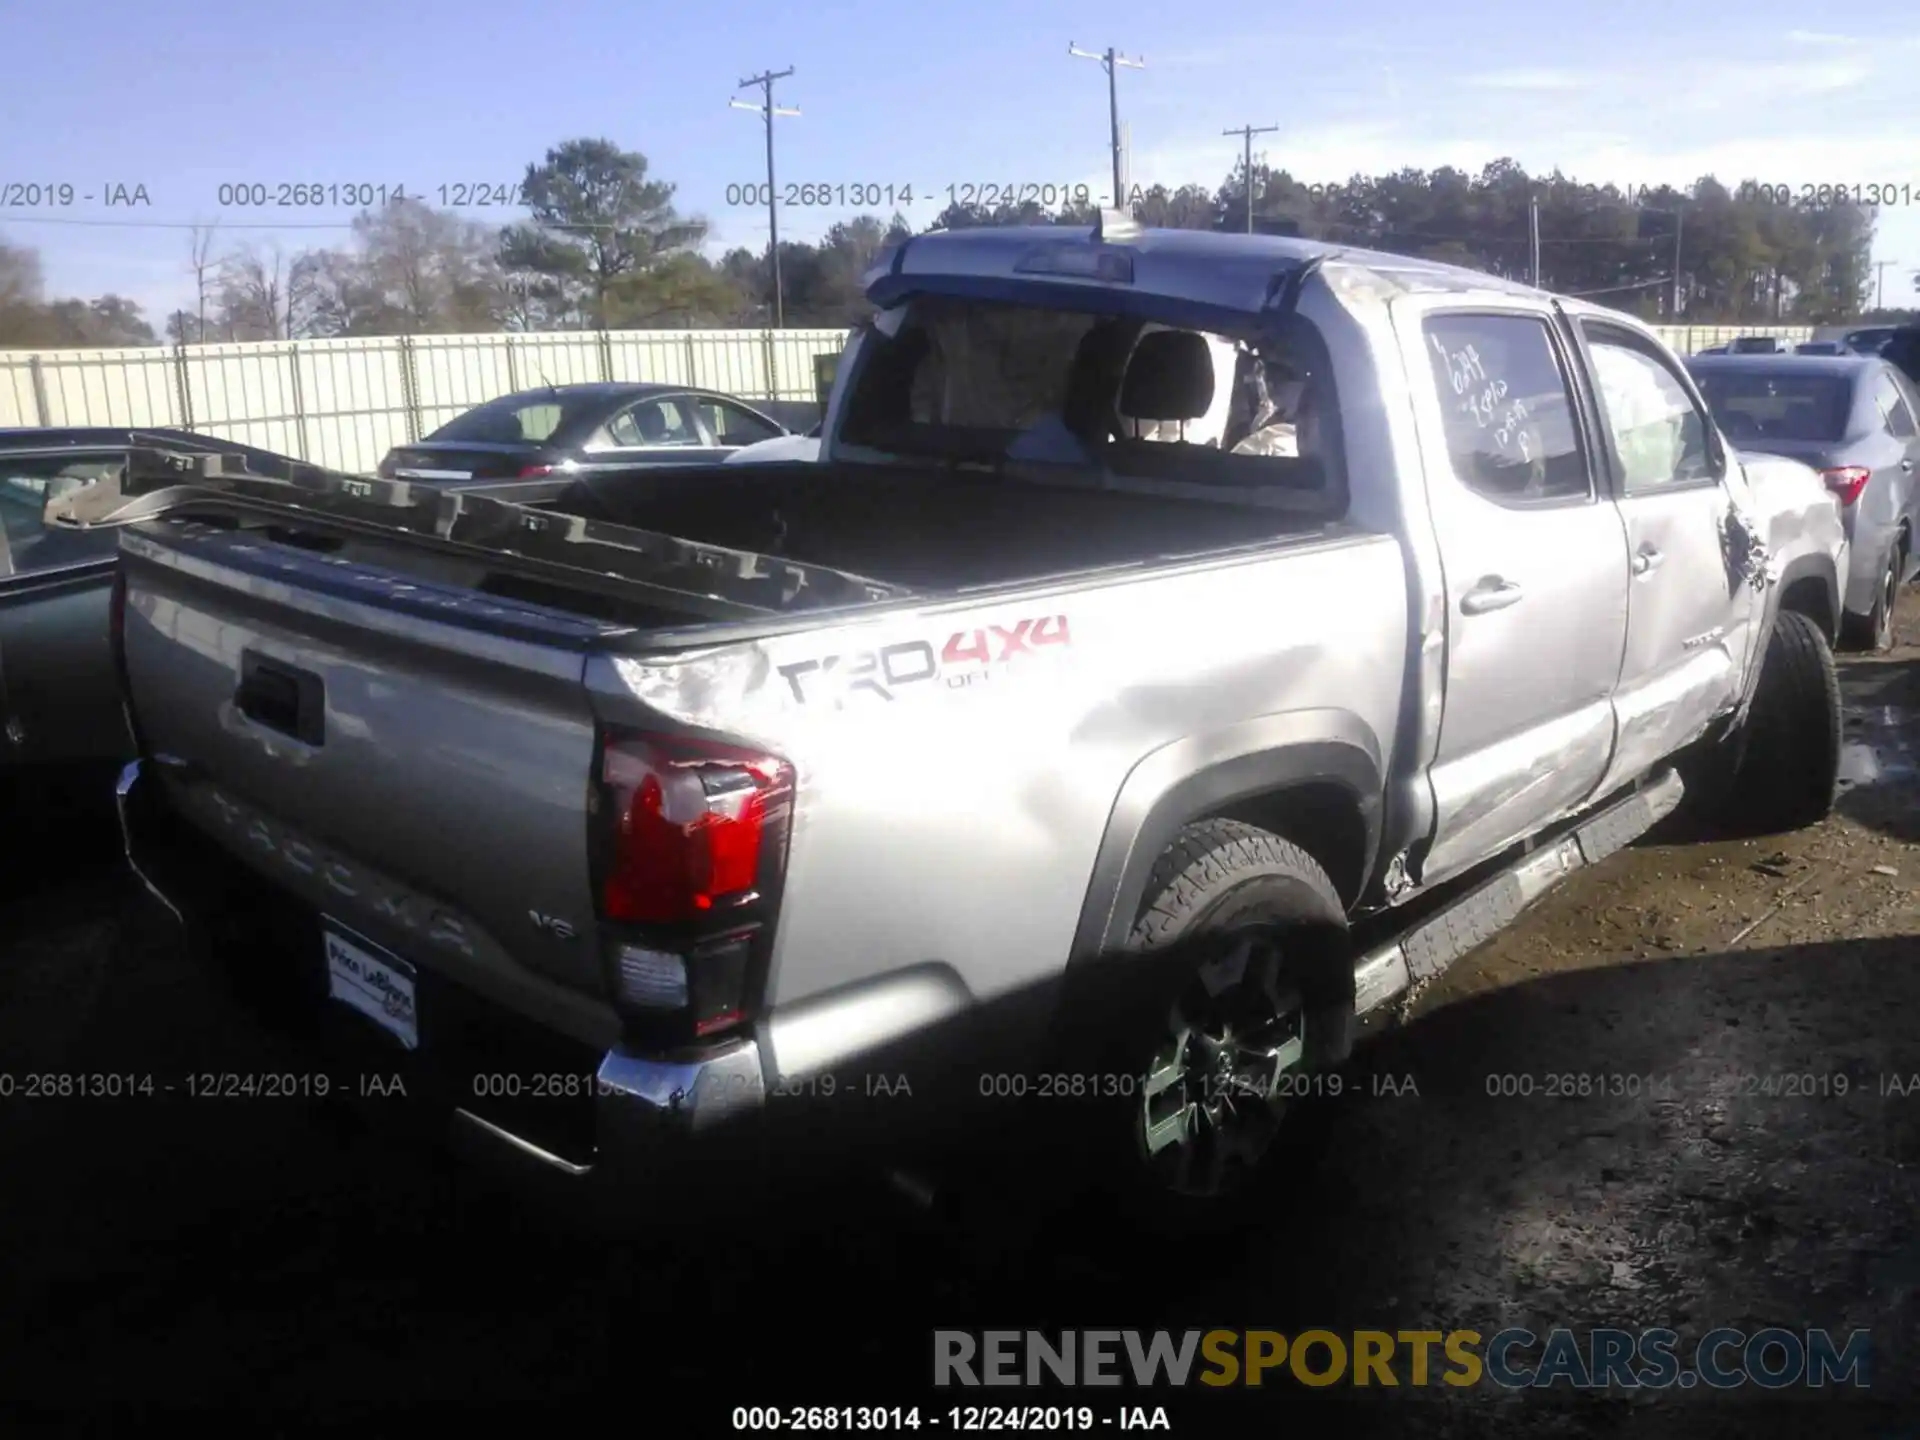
x: 1715, y: 1140
x: 1879, y: 767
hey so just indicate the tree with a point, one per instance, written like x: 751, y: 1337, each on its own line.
x: 683, y: 289
x: 22, y: 317
x: 109, y: 322
x: 203, y: 266
x: 250, y: 298
x: 412, y: 270
x: 28, y: 319
x: 1188, y: 208
x: 597, y: 220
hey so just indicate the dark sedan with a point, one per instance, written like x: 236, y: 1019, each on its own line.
x: 575, y: 429
x: 1852, y: 418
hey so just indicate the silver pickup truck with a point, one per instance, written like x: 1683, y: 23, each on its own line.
x: 1078, y: 729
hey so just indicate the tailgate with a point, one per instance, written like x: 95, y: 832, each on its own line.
x: 355, y: 736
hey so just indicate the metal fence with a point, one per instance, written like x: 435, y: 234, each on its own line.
x: 345, y: 403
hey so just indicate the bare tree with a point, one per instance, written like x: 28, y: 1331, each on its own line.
x: 412, y: 270
x: 250, y: 298
x: 204, y: 266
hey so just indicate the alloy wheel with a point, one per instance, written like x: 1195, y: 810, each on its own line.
x: 1215, y: 1092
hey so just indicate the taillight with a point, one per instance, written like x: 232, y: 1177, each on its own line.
x: 1847, y: 481
x: 691, y: 842
x: 689, y: 825
x: 534, y: 472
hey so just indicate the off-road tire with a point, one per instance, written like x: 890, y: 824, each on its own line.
x: 1789, y: 772
x: 1219, y: 880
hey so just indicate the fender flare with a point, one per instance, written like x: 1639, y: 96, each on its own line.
x: 1200, y: 775
x: 1816, y: 565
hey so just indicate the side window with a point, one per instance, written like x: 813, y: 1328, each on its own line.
x: 1658, y: 432
x: 650, y: 424
x: 618, y: 431
x: 538, y: 422
x: 1508, y: 408
x: 734, y: 424
x: 27, y: 546
x: 1894, y: 409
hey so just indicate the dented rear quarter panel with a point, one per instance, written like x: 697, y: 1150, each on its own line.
x: 950, y: 808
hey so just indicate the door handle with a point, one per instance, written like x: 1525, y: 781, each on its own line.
x: 1907, y: 465
x: 1645, y: 561
x: 1493, y: 593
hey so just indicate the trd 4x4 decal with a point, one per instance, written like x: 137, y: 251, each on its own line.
x: 967, y: 656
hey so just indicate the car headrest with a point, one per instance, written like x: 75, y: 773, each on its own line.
x: 650, y: 422
x: 1169, y: 378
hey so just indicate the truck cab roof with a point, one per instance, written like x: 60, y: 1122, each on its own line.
x: 1222, y: 274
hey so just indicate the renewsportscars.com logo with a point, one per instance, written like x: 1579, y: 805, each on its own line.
x: 1599, y: 1359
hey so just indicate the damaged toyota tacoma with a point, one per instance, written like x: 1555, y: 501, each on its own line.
x: 1185, y: 645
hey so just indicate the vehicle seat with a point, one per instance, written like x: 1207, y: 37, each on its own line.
x: 651, y: 424
x: 1170, y: 378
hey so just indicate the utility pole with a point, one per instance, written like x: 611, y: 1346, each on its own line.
x: 1679, y: 221
x: 1880, y: 269
x: 1113, y: 60
x: 765, y: 82
x: 1533, y: 235
x: 1247, y: 132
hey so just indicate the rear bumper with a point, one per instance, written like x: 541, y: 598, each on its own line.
x: 1870, y: 546
x: 607, y: 1127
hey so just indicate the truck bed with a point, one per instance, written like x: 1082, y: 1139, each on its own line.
x: 930, y: 530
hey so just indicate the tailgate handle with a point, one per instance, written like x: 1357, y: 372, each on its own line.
x: 282, y: 698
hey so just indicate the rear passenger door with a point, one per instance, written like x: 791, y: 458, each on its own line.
x: 1689, y: 616
x: 1535, y: 568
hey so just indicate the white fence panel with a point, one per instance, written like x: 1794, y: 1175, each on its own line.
x: 1692, y: 339
x: 17, y: 404
x: 110, y: 387
x: 794, y: 352
x: 353, y: 396
x: 649, y: 357
x: 245, y: 391
x: 133, y: 386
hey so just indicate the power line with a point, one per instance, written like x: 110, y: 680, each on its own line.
x: 769, y: 110
x: 8, y: 217
x: 1247, y: 132
x: 1113, y: 61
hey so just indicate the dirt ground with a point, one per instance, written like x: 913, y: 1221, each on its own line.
x: 1741, y: 1152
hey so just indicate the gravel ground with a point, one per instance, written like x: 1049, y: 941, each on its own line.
x: 285, y: 1260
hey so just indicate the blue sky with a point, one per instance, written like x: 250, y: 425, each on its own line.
x: 184, y: 96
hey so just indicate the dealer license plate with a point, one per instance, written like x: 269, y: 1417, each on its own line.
x: 378, y: 985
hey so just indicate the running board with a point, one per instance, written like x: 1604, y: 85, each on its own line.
x: 1476, y: 917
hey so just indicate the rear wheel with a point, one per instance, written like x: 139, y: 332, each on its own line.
x: 1240, y: 990
x: 1789, y: 767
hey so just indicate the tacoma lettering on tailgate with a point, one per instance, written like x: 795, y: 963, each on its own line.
x: 967, y: 657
